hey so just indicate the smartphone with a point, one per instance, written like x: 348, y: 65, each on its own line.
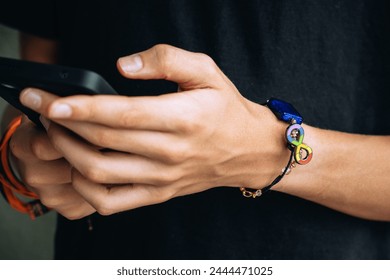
x: 15, y: 75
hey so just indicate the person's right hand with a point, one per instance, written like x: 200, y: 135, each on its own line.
x: 45, y: 172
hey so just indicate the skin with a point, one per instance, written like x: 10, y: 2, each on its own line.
x: 204, y: 136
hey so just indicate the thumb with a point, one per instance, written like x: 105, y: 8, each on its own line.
x: 190, y: 70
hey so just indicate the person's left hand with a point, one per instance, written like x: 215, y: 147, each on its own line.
x: 206, y: 135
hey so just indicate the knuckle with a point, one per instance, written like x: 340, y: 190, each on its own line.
x: 75, y: 214
x: 16, y: 148
x: 208, y: 63
x: 105, y: 208
x: 174, y: 176
x: 168, y: 178
x: 103, y: 137
x: 72, y: 216
x: 178, y: 154
x: 31, y: 178
x: 38, y: 148
x: 163, y: 195
x: 51, y: 201
x: 165, y: 57
x: 207, y: 60
x: 94, y: 173
x: 189, y: 124
x: 170, y: 154
x: 104, y: 211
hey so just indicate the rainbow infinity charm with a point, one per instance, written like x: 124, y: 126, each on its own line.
x: 294, y: 135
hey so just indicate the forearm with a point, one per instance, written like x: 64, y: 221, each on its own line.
x: 348, y: 172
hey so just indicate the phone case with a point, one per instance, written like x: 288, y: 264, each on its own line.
x: 15, y: 75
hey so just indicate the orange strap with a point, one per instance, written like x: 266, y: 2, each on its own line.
x: 11, y: 185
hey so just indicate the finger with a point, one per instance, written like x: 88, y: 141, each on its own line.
x: 190, y: 70
x: 61, y: 195
x: 45, y: 173
x: 30, y: 143
x: 150, y: 113
x: 110, y: 200
x: 152, y: 144
x: 106, y: 167
x: 37, y: 99
x: 65, y: 200
x: 76, y: 211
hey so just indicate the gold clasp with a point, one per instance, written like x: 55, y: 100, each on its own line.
x: 249, y: 194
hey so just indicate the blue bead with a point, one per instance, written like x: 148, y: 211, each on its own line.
x: 284, y: 111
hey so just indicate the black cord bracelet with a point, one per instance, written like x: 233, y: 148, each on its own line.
x: 256, y: 193
x: 300, y: 152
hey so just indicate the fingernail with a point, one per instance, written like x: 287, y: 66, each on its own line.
x: 45, y: 122
x: 60, y: 110
x: 31, y: 99
x: 131, y: 64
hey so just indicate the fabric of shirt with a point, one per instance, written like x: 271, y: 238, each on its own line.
x: 328, y: 58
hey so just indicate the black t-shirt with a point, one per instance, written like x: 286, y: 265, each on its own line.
x: 329, y: 58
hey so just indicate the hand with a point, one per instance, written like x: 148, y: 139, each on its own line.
x: 46, y: 172
x: 204, y: 136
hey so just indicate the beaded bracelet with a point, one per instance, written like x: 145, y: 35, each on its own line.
x: 10, y: 186
x: 300, y: 152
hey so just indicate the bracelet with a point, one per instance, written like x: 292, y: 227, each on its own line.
x: 10, y: 186
x: 300, y: 152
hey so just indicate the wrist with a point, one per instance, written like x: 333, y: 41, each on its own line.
x: 300, y: 153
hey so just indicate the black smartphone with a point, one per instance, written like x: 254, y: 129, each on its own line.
x: 15, y: 75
